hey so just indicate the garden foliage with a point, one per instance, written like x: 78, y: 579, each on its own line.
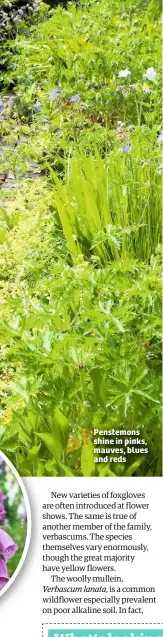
x: 80, y: 233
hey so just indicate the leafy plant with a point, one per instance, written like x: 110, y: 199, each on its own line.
x: 108, y: 208
x: 80, y: 233
x: 88, y: 354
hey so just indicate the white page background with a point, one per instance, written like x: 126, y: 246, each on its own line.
x: 21, y: 605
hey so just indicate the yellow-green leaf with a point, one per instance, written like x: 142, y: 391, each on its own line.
x: 87, y: 459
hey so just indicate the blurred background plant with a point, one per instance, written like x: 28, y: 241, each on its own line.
x: 13, y: 515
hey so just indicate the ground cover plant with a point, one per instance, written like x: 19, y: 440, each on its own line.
x: 13, y: 523
x: 80, y: 233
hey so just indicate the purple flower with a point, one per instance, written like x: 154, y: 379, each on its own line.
x: 4, y: 578
x: 1, y: 107
x: 2, y: 512
x: 54, y: 93
x: 126, y: 148
x: 38, y: 105
x: 2, y: 496
x: 75, y: 98
x: 21, y: 12
x: 7, y: 546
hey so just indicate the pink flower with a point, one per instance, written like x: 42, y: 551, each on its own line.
x: 4, y: 578
x: 2, y: 512
x: 2, y: 496
x: 7, y: 546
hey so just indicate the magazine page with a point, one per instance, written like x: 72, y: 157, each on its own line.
x: 80, y: 319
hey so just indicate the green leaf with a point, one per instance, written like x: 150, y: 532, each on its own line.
x: 87, y: 459
x: 62, y: 423
x: 66, y: 471
x: 10, y: 445
x: 105, y: 471
x: 46, y: 339
x: 34, y: 451
x: 134, y: 466
x: 118, y: 324
x: 54, y: 443
x: 144, y: 395
x: 3, y: 235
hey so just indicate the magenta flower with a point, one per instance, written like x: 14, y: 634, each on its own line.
x: 2, y: 496
x: 2, y: 512
x: 7, y: 546
x: 75, y: 98
x: 54, y: 93
x: 4, y: 578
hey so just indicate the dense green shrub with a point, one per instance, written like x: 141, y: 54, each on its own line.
x: 80, y: 231
x: 86, y: 346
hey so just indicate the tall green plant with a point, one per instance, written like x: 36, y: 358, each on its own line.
x: 109, y: 207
